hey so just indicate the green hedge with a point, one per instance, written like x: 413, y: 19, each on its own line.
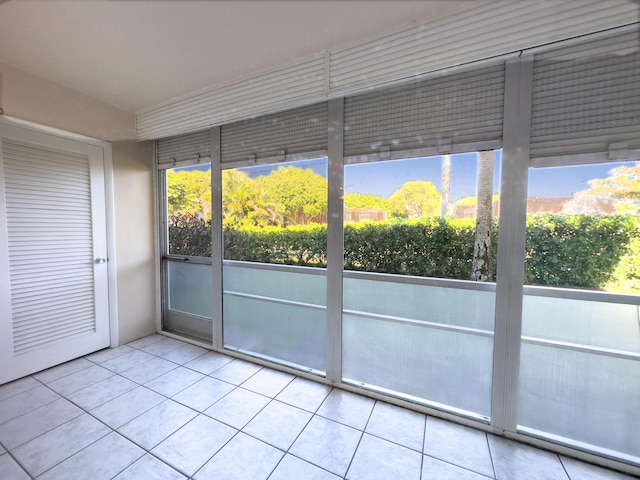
x: 561, y: 250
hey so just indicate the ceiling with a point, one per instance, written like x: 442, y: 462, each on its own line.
x: 136, y: 54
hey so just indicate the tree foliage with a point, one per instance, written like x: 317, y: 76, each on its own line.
x: 622, y: 183
x: 366, y: 200
x: 416, y: 199
x: 301, y: 193
x: 189, y: 192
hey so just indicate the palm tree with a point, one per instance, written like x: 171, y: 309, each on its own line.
x: 481, y: 269
x: 446, y: 185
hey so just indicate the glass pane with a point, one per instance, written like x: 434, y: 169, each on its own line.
x: 449, y: 368
x: 581, y: 397
x: 289, y: 333
x: 274, y: 216
x: 424, y: 217
x: 189, y: 210
x: 580, y: 363
x: 190, y: 288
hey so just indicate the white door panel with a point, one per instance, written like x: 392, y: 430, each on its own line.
x: 54, y: 292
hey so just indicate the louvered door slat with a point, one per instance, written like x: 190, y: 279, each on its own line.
x: 34, y: 177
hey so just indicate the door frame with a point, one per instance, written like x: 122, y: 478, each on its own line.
x: 109, y: 209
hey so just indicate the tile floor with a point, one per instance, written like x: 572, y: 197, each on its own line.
x: 159, y: 408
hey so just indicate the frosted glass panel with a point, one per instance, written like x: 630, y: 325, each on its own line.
x: 285, y: 285
x: 451, y: 306
x: 581, y: 396
x: 263, y: 315
x: 598, y: 324
x: 291, y: 333
x: 190, y: 288
x: 450, y: 368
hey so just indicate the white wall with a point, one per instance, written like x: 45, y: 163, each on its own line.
x: 37, y: 100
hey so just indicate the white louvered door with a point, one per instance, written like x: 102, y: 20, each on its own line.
x: 53, y: 251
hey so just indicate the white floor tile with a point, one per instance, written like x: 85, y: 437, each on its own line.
x: 203, y: 394
x: 377, y: 459
x: 150, y: 468
x: 193, y: 445
x: 242, y: 458
x: 208, y: 362
x: 62, y: 370
x: 292, y: 467
x: 442, y: 440
x: 90, y: 463
x: 174, y: 381
x: 153, y: 426
x: 434, y: 469
x: 304, y: 394
x: 278, y: 424
x: 237, y: 408
x: 347, y: 408
x: 79, y: 380
x: 163, y: 346
x: 236, y: 372
x: 185, y: 354
x: 46, y: 451
x: 268, y: 382
x: 108, y: 354
x: 398, y: 425
x: 30, y: 425
x: 515, y: 461
x: 578, y: 470
x: 327, y: 444
x: 18, y: 386
x: 25, y: 402
x: 127, y: 361
x: 147, y: 371
x: 145, y: 341
x: 126, y: 407
x: 101, y: 392
x: 11, y: 470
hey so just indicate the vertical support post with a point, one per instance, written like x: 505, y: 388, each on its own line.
x: 216, y: 238
x: 511, y: 242
x: 335, y: 240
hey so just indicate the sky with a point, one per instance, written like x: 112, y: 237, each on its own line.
x: 383, y: 178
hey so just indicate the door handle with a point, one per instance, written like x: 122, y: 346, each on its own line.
x: 98, y: 261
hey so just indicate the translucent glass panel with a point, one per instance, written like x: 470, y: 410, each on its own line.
x: 434, y: 217
x: 590, y: 323
x: 275, y: 250
x: 447, y: 361
x: 584, y: 396
x: 190, y: 288
x: 278, y: 312
x: 580, y: 352
x: 463, y: 307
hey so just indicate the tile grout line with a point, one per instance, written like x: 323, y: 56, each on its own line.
x: 360, y: 440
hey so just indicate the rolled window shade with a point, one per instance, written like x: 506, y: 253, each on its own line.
x: 586, y: 98
x: 447, y: 114
x: 192, y: 146
x: 302, y: 132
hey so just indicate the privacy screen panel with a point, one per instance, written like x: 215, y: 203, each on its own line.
x: 300, y: 131
x: 446, y: 114
x: 184, y: 147
x: 586, y: 97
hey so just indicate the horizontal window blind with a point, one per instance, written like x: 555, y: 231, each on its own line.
x: 193, y: 146
x: 302, y: 132
x: 586, y: 98
x: 448, y: 114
